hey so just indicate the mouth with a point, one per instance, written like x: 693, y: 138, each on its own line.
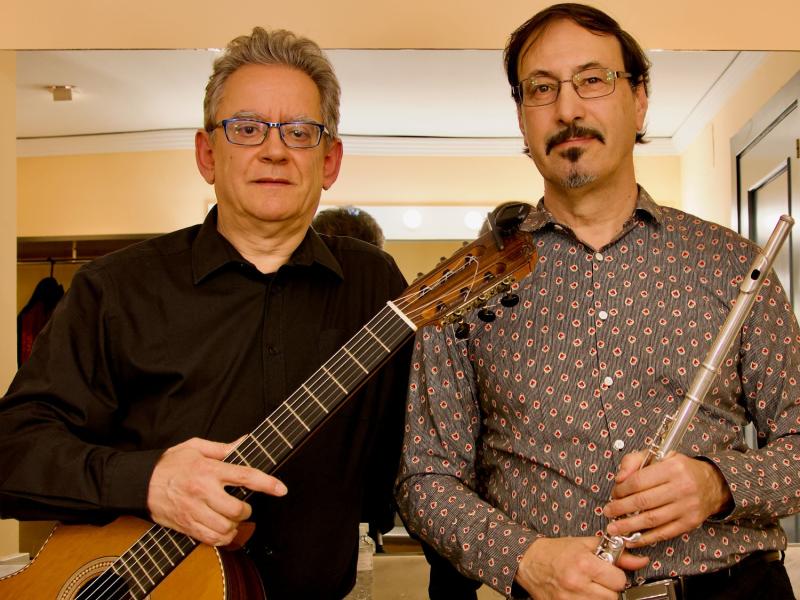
x: 276, y: 181
x: 573, y: 136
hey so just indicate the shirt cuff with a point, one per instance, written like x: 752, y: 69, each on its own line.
x: 128, y: 481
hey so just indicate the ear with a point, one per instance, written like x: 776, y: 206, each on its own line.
x: 332, y: 163
x: 204, y: 155
x: 640, y: 101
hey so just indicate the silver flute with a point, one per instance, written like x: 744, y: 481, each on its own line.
x: 674, y: 426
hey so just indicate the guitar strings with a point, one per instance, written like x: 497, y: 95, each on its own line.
x: 248, y: 448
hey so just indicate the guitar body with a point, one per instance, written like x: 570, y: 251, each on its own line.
x: 73, y: 555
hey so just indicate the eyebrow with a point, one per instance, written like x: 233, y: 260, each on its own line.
x: 246, y: 114
x: 544, y: 73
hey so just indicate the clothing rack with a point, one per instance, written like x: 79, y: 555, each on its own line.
x: 52, y: 251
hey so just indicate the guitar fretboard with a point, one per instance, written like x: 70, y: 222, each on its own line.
x: 156, y: 553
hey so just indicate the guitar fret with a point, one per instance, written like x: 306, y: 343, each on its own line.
x: 135, y: 579
x: 171, y: 539
x: 355, y: 360
x: 377, y: 339
x: 264, y: 450
x: 157, y: 544
x: 336, y: 381
x: 296, y: 416
x: 278, y: 431
x: 241, y: 456
x: 402, y: 315
x: 141, y: 566
x: 314, y: 398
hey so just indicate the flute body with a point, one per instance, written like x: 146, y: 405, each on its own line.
x: 674, y: 426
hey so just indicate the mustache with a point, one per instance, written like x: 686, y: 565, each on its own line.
x: 572, y: 131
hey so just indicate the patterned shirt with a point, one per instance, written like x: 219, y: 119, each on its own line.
x: 517, y: 431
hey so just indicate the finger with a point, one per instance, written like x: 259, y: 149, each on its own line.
x: 211, y: 536
x: 216, y: 450
x: 641, y: 501
x: 252, y: 479
x: 646, y: 520
x: 632, y: 562
x: 629, y: 465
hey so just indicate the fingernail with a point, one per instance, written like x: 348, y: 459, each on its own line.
x: 281, y: 489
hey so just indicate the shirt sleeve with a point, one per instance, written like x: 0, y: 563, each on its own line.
x: 765, y: 482
x: 60, y: 455
x: 438, y: 484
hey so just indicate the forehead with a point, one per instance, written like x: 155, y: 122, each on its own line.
x: 563, y: 45
x: 276, y: 91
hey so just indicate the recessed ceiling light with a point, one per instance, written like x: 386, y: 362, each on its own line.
x: 61, y: 93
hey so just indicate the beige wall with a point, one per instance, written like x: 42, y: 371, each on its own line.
x: 155, y: 192
x: 677, y: 24
x: 8, y: 250
x: 706, y: 165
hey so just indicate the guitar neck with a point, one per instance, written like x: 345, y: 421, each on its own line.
x: 156, y: 553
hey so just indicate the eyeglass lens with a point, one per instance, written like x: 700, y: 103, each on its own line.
x: 589, y: 83
x: 253, y: 133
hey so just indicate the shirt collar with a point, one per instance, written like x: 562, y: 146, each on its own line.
x: 540, y: 216
x: 211, y: 252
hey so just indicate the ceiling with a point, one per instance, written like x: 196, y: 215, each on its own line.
x: 393, y: 101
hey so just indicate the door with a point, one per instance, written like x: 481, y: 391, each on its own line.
x: 767, y: 171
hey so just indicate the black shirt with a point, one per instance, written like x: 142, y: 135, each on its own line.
x: 179, y: 336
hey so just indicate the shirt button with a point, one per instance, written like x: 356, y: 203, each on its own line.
x: 608, y: 381
x: 603, y: 315
x: 598, y: 256
x: 619, y: 444
x: 272, y: 350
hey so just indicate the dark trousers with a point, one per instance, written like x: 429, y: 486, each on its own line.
x: 756, y: 580
x: 445, y: 582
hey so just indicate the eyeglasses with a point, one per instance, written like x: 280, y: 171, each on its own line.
x: 252, y: 132
x: 589, y: 83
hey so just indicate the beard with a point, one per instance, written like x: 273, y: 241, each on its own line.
x: 575, y: 178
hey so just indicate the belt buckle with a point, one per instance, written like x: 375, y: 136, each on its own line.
x: 664, y: 589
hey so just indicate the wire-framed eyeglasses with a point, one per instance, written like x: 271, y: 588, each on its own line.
x: 253, y: 132
x: 591, y: 83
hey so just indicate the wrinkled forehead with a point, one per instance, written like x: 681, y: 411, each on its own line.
x: 563, y: 43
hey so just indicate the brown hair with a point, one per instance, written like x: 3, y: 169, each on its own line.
x: 634, y: 58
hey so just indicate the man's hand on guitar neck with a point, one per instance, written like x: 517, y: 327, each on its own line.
x: 187, y: 491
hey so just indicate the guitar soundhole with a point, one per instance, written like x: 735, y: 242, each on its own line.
x: 96, y: 581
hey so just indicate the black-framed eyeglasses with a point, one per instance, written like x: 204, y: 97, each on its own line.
x: 253, y: 132
x: 589, y: 83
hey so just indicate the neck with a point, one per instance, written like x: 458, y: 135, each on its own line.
x: 268, y: 246
x: 595, y: 213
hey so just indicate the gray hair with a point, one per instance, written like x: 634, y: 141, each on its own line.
x: 278, y: 47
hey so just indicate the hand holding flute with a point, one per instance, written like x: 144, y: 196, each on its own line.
x: 677, y: 493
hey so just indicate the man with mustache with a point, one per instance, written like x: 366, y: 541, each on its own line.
x: 162, y: 355
x: 523, y: 441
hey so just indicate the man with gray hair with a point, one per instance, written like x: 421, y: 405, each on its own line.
x: 163, y: 355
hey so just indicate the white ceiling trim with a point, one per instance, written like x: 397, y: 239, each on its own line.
x: 742, y: 67
x: 183, y: 139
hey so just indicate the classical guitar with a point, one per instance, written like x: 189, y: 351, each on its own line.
x: 132, y: 559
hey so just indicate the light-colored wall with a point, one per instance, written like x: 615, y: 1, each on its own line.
x: 677, y: 24
x: 8, y: 249
x: 706, y: 165
x: 155, y: 192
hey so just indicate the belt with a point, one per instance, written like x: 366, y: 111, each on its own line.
x: 674, y: 588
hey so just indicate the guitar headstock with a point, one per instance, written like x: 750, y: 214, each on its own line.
x: 468, y: 279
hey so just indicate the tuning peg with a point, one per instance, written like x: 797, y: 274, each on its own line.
x: 462, y: 331
x: 486, y: 315
x: 509, y: 300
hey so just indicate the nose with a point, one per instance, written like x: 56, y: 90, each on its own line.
x: 569, y: 106
x: 272, y: 148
